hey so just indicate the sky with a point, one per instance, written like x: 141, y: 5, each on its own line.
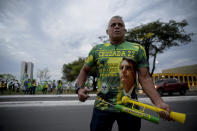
x: 51, y: 33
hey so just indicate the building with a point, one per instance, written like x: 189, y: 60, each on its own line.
x: 23, y: 70
x: 186, y: 74
x: 30, y: 67
x: 26, y: 70
x: 191, y: 69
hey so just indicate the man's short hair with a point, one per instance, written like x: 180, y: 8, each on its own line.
x: 116, y: 16
x: 130, y: 60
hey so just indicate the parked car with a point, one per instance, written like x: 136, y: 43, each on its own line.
x: 171, y: 85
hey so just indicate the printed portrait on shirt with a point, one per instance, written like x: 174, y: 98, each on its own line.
x: 127, y: 74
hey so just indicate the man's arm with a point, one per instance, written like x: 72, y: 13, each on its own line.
x: 148, y: 87
x: 82, y: 93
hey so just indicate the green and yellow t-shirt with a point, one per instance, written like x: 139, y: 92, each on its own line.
x: 107, y: 57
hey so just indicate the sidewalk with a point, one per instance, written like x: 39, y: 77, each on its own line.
x: 26, y: 96
x: 192, y: 91
x: 86, y: 103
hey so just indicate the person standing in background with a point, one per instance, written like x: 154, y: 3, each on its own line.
x: 53, y: 87
x: 59, y: 87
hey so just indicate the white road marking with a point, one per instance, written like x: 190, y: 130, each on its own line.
x: 27, y: 96
x: 45, y: 103
x: 88, y: 102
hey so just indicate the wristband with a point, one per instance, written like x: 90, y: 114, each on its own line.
x: 77, y: 88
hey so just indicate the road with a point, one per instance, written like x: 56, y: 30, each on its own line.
x: 61, y: 113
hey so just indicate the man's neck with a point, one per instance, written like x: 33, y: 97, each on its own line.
x: 129, y: 92
x: 116, y: 42
x: 127, y: 87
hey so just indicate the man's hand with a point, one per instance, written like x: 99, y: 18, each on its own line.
x: 82, y: 94
x: 165, y: 116
x: 148, y: 87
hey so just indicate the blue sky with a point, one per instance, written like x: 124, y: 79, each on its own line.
x: 50, y: 33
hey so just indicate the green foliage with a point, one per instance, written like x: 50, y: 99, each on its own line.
x: 7, y: 77
x: 71, y: 70
x: 158, y: 36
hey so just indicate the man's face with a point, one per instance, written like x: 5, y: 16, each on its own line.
x: 127, y: 73
x: 116, y: 29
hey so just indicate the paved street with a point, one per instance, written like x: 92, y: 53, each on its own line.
x: 67, y: 97
x: 65, y: 113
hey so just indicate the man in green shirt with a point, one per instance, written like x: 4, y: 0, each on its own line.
x: 107, y: 58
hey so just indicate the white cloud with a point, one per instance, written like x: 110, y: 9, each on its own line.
x: 51, y: 33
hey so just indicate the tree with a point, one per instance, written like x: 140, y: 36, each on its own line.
x: 103, y: 38
x: 71, y: 71
x: 7, y: 77
x: 158, y: 36
x: 43, y: 74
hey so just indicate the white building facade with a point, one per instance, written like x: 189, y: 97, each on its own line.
x: 26, y: 70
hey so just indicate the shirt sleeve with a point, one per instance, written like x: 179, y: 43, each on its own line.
x: 90, y: 61
x: 141, y: 58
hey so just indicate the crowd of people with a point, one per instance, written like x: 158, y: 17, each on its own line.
x: 10, y: 86
x: 32, y: 87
